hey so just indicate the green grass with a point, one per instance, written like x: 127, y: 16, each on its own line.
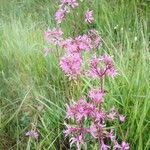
x: 27, y: 78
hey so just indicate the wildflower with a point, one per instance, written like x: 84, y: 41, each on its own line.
x: 80, y: 110
x: 111, y: 72
x: 88, y: 118
x: 99, y: 116
x: 93, y: 131
x: 89, y: 17
x: 125, y: 146
x: 111, y: 135
x: 107, y: 59
x: 94, y: 71
x: 69, y: 130
x: 116, y: 145
x: 60, y: 14
x: 104, y: 146
x: 53, y: 36
x: 113, y: 114
x: 33, y: 134
x: 84, y: 43
x: 99, y: 72
x: 78, y: 140
x: 79, y: 44
x: 122, y: 118
x: 72, y: 3
x: 71, y: 65
x: 96, y: 95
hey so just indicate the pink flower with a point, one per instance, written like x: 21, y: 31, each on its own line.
x: 79, y: 44
x: 107, y: 59
x: 53, y: 36
x: 99, y: 116
x: 125, y: 146
x: 78, y: 140
x: 72, y: 3
x: 84, y: 43
x: 33, y: 134
x: 113, y: 114
x: 116, y: 145
x: 122, y: 118
x: 71, y: 65
x: 106, y: 69
x: 96, y: 95
x: 104, y: 146
x: 112, y: 72
x: 60, y: 14
x: 89, y: 17
x: 111, y: 135
x: 93, y: 131
x: 70, y: 46
x: 80, y: 110
x: 69, y: 130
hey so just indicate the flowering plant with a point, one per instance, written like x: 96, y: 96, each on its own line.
x: 88, y: 119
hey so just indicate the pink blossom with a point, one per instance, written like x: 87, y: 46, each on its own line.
x: 89, y: 17
x: 112, y: 72
x: 99, y: 116
x: 60, y: 14
x: 33, y: 134
x: 93, y: 131
x: 72, y: 3
x: 104, y: 146
x: 116, y: 145
x: 96, y: 95
x: 79, y: 44
x: 125, y: 146
x: 69, y: 130
x: 70, y: 45
x: 53, y: 36
x: 95, y: 71
x: 101, y: 67
x: 80, y: 110
x: 78, y: 140
x: 107, y: 59
x: 122, y: 118
x: 113, y: 114
x: 111, y: 135
x: 71, y: 65
x: 84, y: 43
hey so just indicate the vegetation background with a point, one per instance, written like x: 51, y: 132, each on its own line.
x: 29, y: 80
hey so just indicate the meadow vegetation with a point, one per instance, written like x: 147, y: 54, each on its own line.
x: 30, y: 81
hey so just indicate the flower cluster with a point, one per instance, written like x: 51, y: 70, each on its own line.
x: 65, y: 7
x: 71, y: 65
x: 101, y: 67
x: 82, y: 111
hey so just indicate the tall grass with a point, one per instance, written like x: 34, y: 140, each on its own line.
x: 28, y: 79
